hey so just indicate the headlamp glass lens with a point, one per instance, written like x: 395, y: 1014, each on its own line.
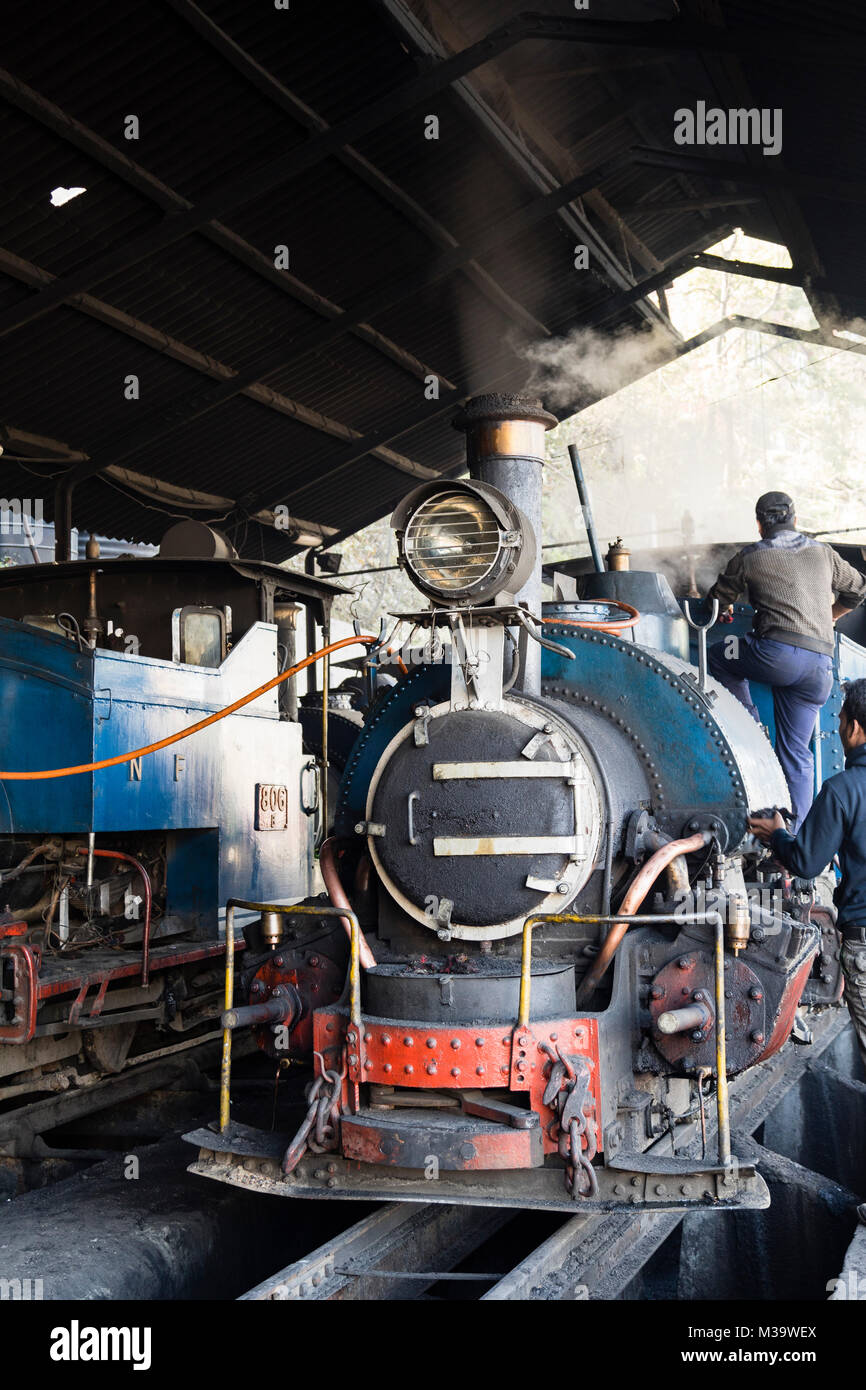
x: 453, y: 542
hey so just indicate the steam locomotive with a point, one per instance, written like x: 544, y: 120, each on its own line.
x: 113, y: 880
x: 548, y: 940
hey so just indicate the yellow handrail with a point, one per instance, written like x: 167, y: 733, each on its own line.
x: 301, y: 909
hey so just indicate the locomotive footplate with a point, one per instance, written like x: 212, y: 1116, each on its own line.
x: 250, y: 1158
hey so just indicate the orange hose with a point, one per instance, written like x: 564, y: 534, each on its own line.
x: 635, y: 895
x: 618, y: 625
x: 193, y: 728
x: 399, y: 660
x: 148, y: 901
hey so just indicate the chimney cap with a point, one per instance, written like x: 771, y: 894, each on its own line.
x: 502, y: 406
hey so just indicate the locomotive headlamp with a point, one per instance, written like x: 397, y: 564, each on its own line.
x: 452, y: 542
x: 464, y: 543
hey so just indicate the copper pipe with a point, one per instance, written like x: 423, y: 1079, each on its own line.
x: 42, y: 912
x: 6, y: 875
x: 677, y: 874
x: 614, y: 625
x: 148, y: 901
x: 648, y: 919
x: 526, y: 971
x: 637, y: 891
x: 337, y: 894
x: 362, y: 874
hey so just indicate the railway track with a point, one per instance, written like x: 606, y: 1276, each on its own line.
x: 801, y: 1116
x: 413, y: 1250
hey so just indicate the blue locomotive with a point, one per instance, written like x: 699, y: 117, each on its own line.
x: 113, y: 881
x: 561, y: 937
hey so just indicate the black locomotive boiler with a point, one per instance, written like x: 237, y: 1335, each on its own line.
x: 560, y: 941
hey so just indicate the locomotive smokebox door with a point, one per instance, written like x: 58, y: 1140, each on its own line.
x: 497, y: 812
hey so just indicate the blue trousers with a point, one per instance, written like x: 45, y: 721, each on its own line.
x: 801, y: 683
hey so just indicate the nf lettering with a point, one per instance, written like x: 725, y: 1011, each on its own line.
x: 737, y: 126
x: 75, y: 1343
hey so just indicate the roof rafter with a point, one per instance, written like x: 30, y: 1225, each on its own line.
x: 161, y: 423
x: 675, y: 350
x: 537, y: 174
x: 38, y: 447
x: 490, y: 80
x: 152, y: 188
x: 696, y: 204
x: 730, y: 77
x: 674, y: 35
x: 402, y: 423
x: 726, y: 69
x: 816, y: 186
x: 267, y: 83
x: 162, y: 342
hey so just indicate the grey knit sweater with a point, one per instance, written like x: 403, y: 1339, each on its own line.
x: 791, y: 581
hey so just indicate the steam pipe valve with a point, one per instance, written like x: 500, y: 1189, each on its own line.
x: 692, y: 1018
x: 284, y: 1006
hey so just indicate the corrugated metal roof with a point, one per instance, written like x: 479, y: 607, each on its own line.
x: 533, y: 118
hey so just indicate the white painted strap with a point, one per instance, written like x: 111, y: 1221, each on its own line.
x: 504, y: 844
x: 449, y: 772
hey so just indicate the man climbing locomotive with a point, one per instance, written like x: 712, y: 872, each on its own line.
x: 541, y: 860
x: 798, y: 588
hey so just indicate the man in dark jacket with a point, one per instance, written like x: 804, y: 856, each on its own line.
x: 835, y: 825
x: 798, y: 587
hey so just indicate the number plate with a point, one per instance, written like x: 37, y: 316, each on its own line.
x: 272, y: 806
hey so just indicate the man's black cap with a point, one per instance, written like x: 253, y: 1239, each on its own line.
x: 774, y: 507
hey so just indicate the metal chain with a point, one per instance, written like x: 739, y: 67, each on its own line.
x: 568, y: 1093
x: 320, y: 1130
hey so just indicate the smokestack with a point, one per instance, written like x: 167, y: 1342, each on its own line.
x: 505, y: 448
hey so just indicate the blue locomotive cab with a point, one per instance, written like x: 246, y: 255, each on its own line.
x: 114, y: 878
